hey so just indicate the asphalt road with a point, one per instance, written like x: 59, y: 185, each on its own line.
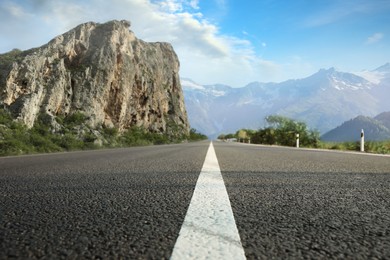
x: 122, y: 203
x: 131, y: 203
x: 290, y: 203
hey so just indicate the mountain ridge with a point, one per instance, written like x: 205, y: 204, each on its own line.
x: 324, y: 100
x: 375, y: 129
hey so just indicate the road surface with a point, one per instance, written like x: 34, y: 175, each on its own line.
x: 132, y: 203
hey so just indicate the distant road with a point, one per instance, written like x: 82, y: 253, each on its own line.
x: 131, y: 203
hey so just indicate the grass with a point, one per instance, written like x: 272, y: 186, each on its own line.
x: 17, y: 139
x: 380, y: 147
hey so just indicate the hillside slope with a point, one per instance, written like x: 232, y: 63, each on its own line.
x: 374, y: 130
x: 384, y: 118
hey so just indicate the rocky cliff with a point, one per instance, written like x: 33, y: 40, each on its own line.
x: 101, y: 70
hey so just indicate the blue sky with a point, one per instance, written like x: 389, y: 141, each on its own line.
x: 232, y: 42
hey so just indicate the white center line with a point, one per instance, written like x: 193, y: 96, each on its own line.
x: 209, y: 230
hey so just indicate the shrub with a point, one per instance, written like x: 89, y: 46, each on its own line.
x: 43, y: 144
x: 382, y: 147
x: 110, y: 132
x: 135, y: 136
x: 282, y: 131
x: 196, y: 136
x: 74, y: 119
x: 70, y: 142
x: 16, y: 138
x: 5, y: 117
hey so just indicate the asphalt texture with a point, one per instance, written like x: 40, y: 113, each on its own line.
x: 298, y: 204
x: 109, y: 204
x: 130, y: 203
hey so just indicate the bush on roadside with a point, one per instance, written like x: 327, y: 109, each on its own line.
x: 382, y: 147
x: 196, y: 136
x: 75, y: 134
x: 280, y: 131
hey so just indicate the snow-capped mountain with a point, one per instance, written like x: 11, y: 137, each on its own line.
x: 323, y: 100
x: 378, y: 75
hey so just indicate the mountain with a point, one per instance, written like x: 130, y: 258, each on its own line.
x: 381, y: 78
x: 384, y: 118
x: 323, y: 100
x: 374, y: 130
x: 101, y: 70
x: 384, y: 68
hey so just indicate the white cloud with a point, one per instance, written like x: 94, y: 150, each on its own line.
x: 194, y: 4
x: 198, y: 35
x: 376, y: 37
x: 170, y: 6
x: 174, y: 6
x: 206, y: 55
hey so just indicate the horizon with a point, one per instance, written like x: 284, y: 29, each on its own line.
x: 224, y: 41
x: 357, y: 73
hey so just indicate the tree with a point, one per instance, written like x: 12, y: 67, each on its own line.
x: 242, y: 135
x: 196, y: 136
x: 282, y: 130
x: 230, y: 136
x: 221, y: 137
x: 264, y: 136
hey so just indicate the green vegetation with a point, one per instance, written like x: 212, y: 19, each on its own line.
x: 74, y: 134
x: 381, y: 147
x: 226, y: 137
x: 196, y: 136
x: 137, y: 136
x: 10, y: 57
x: 6, y: 61
x: 282, y: 131
x: 16, y: 138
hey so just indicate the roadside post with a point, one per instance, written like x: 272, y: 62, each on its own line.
x: 297, y: 143
x: 362, y: 141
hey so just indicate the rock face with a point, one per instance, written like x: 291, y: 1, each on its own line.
x: 101, y: 70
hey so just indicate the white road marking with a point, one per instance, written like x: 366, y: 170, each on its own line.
x: 209, y: 230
